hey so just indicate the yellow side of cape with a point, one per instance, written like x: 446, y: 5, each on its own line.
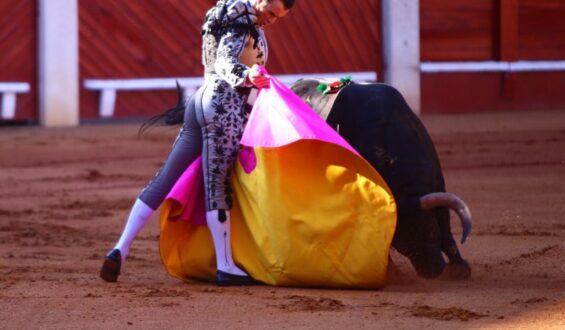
x: 310, y: 214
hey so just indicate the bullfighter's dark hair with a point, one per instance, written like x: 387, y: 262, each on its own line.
x: 287, y: 3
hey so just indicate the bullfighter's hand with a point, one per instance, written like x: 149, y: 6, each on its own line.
x: 258, y: 78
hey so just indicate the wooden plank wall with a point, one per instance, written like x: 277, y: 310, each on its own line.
x: 492, y: 30
x: 138, y: 39
x: 158, y: 38
x: 18, y: 48
x: 541, y: 32
x: 457, y: 30
x: 327, y: 36
x: 161, y: 38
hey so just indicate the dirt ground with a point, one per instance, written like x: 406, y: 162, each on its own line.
x: 65, y: 193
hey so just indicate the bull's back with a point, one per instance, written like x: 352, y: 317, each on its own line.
x: 376, y: 120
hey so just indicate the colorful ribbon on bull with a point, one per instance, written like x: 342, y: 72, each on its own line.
x: 335, y: 86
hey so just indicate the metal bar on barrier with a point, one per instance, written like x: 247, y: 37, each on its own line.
x: 492, y: 66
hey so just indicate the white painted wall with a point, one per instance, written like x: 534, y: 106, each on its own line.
x: 401, y: 53
x: 58, y: 63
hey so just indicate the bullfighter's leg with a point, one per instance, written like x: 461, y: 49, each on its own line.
x: 457, y: 268
x: 222, y: 120
x: 186, y: 149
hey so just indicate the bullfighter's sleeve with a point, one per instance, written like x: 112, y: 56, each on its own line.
x: 230, y: 48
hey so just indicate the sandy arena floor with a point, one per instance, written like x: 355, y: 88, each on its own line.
x: 64, y: 195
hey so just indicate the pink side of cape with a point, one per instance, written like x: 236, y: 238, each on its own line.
x: 189, y: 193
x: 279, y: 117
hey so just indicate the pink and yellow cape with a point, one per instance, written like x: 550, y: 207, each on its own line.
x: 308, y: 210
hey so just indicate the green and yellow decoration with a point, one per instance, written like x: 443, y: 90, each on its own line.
x: 335, y: 86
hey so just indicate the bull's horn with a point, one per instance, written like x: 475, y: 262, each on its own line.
x: 443, y: 199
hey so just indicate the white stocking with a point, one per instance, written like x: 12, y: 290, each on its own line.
x: 139, y: 214
x: 221, y: 235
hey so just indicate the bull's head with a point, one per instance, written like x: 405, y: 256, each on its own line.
x: 424, y: 235
x: 307, y: 90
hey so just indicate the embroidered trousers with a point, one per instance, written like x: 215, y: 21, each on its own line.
x: 213, y: 125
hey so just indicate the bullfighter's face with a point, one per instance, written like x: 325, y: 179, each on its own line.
x: 269, y: 11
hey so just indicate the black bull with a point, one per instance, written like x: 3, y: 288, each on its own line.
x: 376, y: 120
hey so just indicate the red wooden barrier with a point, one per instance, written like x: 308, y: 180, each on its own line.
x: 492, y: 30
x: 18, y: 52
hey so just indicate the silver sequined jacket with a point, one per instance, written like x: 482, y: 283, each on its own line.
x: 232, y: 43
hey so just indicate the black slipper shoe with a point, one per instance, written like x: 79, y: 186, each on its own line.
x: 227, y: 279
x: 111, y: 267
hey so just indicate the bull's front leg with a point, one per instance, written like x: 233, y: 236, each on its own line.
x: 457, y: 268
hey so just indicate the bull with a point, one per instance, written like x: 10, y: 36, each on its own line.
x: 377, y: 122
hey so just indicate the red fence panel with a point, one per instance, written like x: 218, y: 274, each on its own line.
x: 541, y: 30
x: 327, y: 36
x: 18, y: 52
x: 138, y: 39
x: 459, y: 30
x: 492, y: 30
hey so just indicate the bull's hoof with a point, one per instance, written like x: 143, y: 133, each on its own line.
x: 393, y: 274
x: 457, y: 271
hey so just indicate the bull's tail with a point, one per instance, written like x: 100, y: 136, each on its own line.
x: 170, y: 117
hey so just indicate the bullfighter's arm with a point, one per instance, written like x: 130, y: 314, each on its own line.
x: 228, y: 65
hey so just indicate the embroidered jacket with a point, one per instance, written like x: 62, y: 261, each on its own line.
x: 232, y: 43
